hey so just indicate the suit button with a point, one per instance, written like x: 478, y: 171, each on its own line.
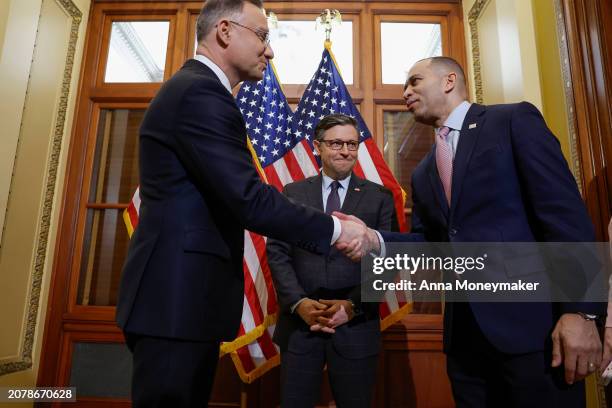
x: 452, y: 232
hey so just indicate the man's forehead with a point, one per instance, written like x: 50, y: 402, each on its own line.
x: 344, y: 132
x: 255, y: 16
x: 418, y: 68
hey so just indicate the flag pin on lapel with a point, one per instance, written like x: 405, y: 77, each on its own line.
x: 472, y: 126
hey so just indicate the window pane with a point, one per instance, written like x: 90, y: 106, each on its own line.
x: 104, y: 250
x: 406, y: 143
x: 298, y: 47
x: 115, y: 168
x: 137, y: 51
x: 403, y: 44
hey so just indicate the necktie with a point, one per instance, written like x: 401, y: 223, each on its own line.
x: 333, y: 200
x: 444, y: 161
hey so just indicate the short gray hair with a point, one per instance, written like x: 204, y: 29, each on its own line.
x: 213, y: 10
x: 329, y: 121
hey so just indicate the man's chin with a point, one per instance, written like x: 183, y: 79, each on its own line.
x: 256, y: 75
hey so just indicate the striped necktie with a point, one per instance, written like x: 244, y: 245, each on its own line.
x: 444, y: 160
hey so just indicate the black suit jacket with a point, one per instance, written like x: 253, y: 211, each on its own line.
x: 183, y: 276
x: 297, y: 273
x: 510, y: 183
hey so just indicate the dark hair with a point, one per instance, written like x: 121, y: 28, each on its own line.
x: 213, y: 10
x: 329, y: 121
x: 448, y: 64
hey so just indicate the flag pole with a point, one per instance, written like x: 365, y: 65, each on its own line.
x: 327, y: 19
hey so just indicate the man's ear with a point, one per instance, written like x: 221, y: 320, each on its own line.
x: 317, y: 146
x: 223, y: 32
x: 450, y: 82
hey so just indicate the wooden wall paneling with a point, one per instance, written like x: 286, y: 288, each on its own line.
x: 179, y: 48
x: 592, y: 90
x: 412, y: 369
x: 191, y: 43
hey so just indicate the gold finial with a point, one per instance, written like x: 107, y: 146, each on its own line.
x: 326, y: 19
x: 272, y: 20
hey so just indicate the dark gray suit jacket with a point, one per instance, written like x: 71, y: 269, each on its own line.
x: 298, y: 273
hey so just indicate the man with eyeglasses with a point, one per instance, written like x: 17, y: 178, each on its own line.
x: 182, y: 286
x: 327, y: 287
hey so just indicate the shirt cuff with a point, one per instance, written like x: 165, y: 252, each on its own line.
x: 337, y: 230
x: 383, y: 251
x: 296, y: 304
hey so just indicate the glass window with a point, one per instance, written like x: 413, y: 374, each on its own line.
x: 406, y: 143
x: 115, y: 167
x: 403, y: 44
x: 113, y: 181
x: 104, y: 250
x: 298, y: 46
x: 137, y: 51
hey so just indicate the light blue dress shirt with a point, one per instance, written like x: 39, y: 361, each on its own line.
x: 326, y: 189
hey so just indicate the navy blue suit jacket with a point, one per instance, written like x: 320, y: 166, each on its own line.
x: 183, y: 276
x: 510, y: 183
x: 298, y: 273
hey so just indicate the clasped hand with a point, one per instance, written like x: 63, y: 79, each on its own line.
x: 325, y: 315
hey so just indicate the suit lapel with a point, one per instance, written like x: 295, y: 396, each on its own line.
x: 353, y: 194
x: 434, y: 180
x: 315, y: 196
x: 468, y: 137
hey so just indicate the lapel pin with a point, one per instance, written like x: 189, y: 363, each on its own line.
x: 472, y: 126
x: 357, y: 189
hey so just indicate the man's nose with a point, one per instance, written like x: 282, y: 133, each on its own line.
x: 269, y: 53
x: 407, y: 92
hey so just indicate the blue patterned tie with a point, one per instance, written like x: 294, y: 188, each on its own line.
x: 333, y: 200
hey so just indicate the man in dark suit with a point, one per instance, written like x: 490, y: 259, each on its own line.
x: 496, y: 174
x: 182, y: 285
x: 307, y: 283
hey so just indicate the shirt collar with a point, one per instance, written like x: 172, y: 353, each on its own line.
x: 328, y: 180
x: 457, y: 116
x: 215, y: 68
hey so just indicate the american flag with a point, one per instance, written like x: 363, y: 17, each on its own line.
x: 281, y: 144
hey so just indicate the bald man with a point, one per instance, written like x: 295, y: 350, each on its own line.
x: 496, y: 174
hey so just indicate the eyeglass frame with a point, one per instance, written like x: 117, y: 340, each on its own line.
x: 264, y: 36
x: 348, y: 144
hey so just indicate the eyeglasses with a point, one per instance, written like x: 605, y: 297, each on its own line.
x: 338, y: 144
x: 264, y: 36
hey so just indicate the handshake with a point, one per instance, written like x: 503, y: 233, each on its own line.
x: 356, y: 239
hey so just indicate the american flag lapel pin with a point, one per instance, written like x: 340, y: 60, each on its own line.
x: 472, y: 126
